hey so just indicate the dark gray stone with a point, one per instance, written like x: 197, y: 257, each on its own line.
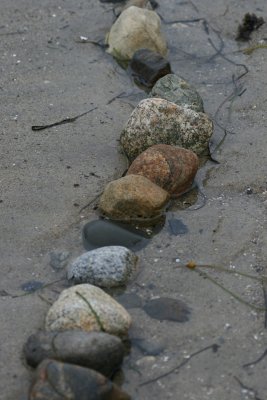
x: 147, y: 67
x: 102, y: 233
x: 97, y: 350
x: 175, y: 89
x: 59, y: 381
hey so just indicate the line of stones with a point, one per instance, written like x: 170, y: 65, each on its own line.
x: 84, y: 327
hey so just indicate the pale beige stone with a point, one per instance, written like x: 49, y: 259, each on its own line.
x: 88, y: 308
x: 136, y: 28
x: 138, y: 3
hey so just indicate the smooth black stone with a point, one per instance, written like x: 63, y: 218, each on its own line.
x: 102, y: 233
x: 148, y: 66
x: 165, y: 308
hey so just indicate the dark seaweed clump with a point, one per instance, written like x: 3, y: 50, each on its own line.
x: 249, y: 24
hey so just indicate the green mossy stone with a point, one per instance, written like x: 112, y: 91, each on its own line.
x: 173, y: 88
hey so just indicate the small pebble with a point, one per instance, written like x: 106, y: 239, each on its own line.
x: 59, y: 259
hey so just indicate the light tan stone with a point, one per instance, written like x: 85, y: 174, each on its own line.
x: 136, y: 28
x: 88, y: 308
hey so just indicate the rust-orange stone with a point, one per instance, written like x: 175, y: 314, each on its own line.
x: 172, y: 168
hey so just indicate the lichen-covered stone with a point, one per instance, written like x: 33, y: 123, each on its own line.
x: 173, y: 88
x: 136, y: 28
x: 147, y: 67
x: 88, y: 308
x: 158, y: 121
x: 105, y: 267
x: 61, y: 381
x: 170, y: 167
x: 97, y: 350
x: 133, y: 197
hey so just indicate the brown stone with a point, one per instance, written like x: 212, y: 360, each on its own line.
x: 171, y: 167
x: 133, y: 197
x: 59, y: 381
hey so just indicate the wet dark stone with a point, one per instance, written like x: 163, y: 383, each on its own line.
x: 154, y: 4
x: 97, y: 350
x: 59, y: 381
x: 165, y: 308
x: 130, y: 300
x: 177, y: 227
x: 59, y: 259
x: 31, y: 286
x: 101, y: 233
x: 147, y: 347
x: 148, y: 66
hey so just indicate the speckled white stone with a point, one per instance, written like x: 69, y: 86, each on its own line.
x: 159, y: 121
x: 107, y: 266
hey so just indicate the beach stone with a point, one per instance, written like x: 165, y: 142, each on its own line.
x: 158, y: 121
x: 107, y: 266
x: 88, y: 308
x: 147, y: 67
x: 136, y: 28
x: 111, y: 1
x: 133, y: 197
x: 170, y: 167
x: 138, y: 3
x: 59, y: 259
x: 61, y: 381
x: 103, y: 232
x: 97, y: 350
x: 173, y: 88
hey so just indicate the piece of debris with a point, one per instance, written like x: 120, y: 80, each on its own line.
x: 249, y: 24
